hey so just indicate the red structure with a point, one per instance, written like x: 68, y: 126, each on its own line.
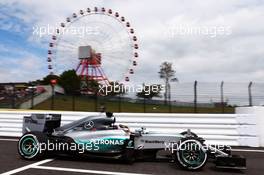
x: 89, y: 69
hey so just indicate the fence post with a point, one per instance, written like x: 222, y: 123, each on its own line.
x: 32, y: 97
x: 95, y: 102
x: 119, y: 103
x: 13, y: 96
x: 222, y: 97
x: 144, y: 105
x: 73, y: 102
x: 169, y: 88
x: 170, y: 107
x: 195, y: 96
x: 52, y: 97
x: 249, y: 93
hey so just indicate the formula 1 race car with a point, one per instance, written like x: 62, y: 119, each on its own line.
x: 100, y: 137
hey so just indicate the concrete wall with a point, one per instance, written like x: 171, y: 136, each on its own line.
x: 258, y: 112
x: 227, y: 129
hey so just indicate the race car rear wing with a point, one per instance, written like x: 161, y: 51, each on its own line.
x: 45, y: 123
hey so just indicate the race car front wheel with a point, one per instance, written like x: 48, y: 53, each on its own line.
x: 29, y: 146
x: 191, y: 154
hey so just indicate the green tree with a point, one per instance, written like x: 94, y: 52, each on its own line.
x: 168, y: 74
x: 91, y: 85
x: 70, y: 81
x: 150, y: 91
x: 46, y: 80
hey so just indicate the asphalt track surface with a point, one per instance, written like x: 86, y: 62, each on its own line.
x: 11, y: 163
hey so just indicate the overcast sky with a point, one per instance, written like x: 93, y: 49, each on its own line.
x: 235, y: 54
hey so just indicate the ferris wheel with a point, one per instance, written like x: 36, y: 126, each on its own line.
x: 99, y: 44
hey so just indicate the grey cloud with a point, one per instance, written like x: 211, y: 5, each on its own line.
x: 236, y: 57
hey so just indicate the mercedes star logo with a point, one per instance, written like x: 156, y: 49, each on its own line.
x: 89, y: 125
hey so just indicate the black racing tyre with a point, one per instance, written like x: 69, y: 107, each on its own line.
x: 128, y: 156
x: 185, y: 133
x: 29, y: 145
x: 191, y: 154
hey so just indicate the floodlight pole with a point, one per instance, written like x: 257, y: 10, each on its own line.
x: 53, y: 82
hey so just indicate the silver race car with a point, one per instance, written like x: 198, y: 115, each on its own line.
x: 100, y: 137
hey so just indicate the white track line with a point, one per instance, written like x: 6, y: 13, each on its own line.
x: 248, y: 150
x: 27, y: 167
x: 11, y: 140
x: 84, y: 171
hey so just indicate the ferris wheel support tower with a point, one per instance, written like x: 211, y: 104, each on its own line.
x: 89, y: 68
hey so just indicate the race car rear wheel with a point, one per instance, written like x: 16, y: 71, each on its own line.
x: 29, y: 146
x: 191, y: 154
